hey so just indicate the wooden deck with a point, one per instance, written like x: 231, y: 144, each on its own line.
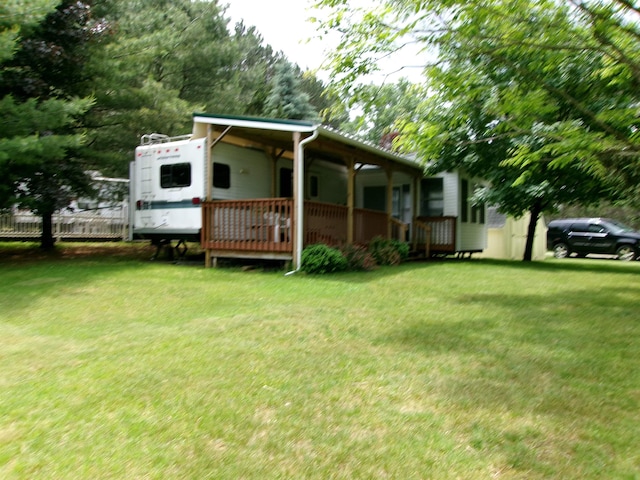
x: 238, y: 227
x: 264, y: 228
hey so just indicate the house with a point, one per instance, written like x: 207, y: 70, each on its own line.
x: 261, y: 188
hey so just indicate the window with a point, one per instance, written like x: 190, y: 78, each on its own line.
x: 432, y: 204
x: 375, y: 198
x: 175, y: 175
x: 580, y: 227
x: 221, y: 175
x: 477, y: 210
x: 464, y: 201
x: 313, y: 186
x: 286, y: 182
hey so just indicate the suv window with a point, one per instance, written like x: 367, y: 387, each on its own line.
x: 579, y: 227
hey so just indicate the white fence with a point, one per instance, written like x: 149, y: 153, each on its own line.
x: 88, y: 225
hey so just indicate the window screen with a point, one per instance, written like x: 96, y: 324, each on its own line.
x: 286, y: 182
x: 175, y: 175
x: 313, y: 186
x: 221, y: 175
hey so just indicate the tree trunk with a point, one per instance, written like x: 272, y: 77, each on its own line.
x: 536, y: 210
x: 47, y: 242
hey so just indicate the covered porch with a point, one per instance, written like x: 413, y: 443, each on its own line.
x: 304, y: 210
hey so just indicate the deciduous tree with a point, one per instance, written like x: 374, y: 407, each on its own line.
x: 539, y: 97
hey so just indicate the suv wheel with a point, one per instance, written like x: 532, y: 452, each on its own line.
x: 560, y: 250
x: 626, y: 253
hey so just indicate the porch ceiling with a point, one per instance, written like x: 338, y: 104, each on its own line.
x: 330, y: 145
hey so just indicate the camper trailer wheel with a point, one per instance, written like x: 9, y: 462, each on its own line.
x: 159, y: 244
x: 181, y: 248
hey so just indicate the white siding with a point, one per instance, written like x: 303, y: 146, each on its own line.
x: 332, y: 182
x: 250, y: 172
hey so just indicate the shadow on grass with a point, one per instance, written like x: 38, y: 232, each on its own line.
x: 571, y: 265
x: 551, y: 266
x: 29, y: 272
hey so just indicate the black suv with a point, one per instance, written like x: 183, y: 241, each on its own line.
x: 583, y: 236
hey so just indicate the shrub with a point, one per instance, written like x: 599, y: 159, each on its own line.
x: 402, y: 249
x: 358, y: 258
x: 388, y: 252
x: 322, y: 259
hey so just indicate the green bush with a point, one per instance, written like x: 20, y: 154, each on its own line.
x: 358, y: 258
x: 322, y: 259
x: 388, y: 252
x: 402, y: 249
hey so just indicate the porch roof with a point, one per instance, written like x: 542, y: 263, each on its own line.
x: 329, y: 142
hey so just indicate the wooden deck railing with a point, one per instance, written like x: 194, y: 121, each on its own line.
x: 262, y: 225
x: 325, y: 223
x: 368, y: 224
x: 267, y: 225
x: 442, y: 233
x: 423, y: 237
x: 399, y: 230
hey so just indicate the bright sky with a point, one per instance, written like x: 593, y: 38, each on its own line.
x: 283, y: 25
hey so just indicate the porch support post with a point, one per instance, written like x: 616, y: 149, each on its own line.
x: 351, y: 176
x: 415, y: 210
x: 208, y: 171
x: 274, y: 172
x: 389, y: 200
x: 208, y: 168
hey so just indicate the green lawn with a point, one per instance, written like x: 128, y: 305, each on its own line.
x: 112, y: 366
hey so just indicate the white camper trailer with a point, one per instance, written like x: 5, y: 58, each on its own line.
x: 166, y: 188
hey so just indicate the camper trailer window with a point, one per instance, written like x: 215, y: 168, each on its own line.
x: 221, y: 175
x: 175, y: 175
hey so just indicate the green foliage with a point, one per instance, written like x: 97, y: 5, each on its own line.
x: 286, y: 98
x: 41, y: 113
x: 166, y: 60
x: 321, y: 258
x: 388, y: 252
x: 358, y: 258
x: 381, y: 111
x: 16, y: 18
